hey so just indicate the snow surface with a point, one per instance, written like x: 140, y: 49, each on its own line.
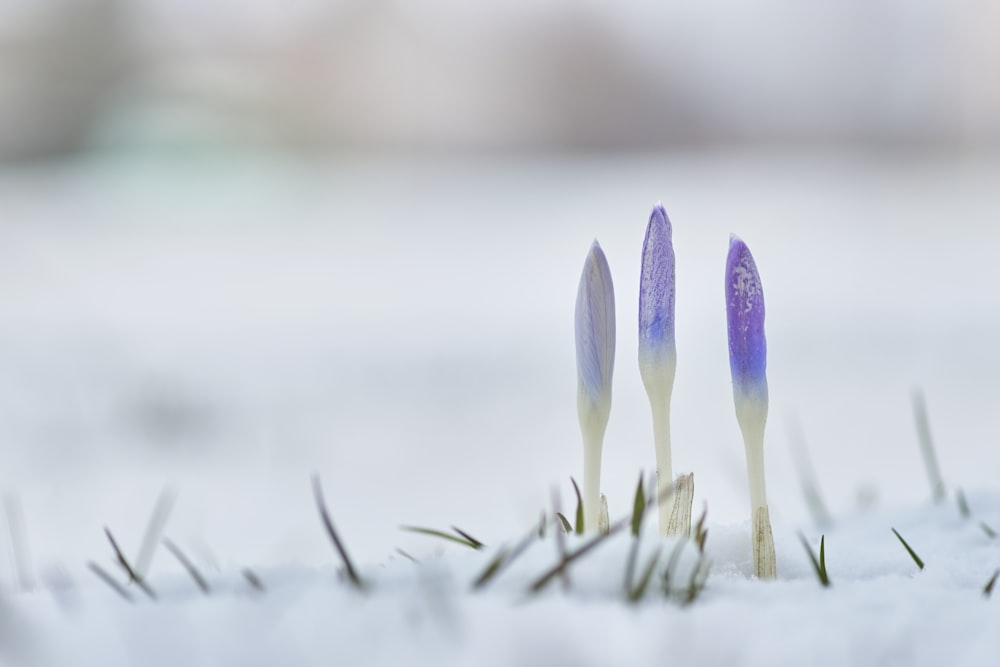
x: 227, y: 328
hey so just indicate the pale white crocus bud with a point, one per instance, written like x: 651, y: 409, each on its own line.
x: 595, y: 362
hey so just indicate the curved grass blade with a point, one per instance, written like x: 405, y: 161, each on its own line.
x: 637, y: 592
x: 110, y: 581
x: 132, y: 575
x: 457, y: 539
x: 927, y: 446
x: 187, y: 565
x: 988, y: 588
x: 818, y: 565
x: 352, y: 574
x: 154, y: 530
x: 913, y: 554
x: 579, y: 507
x: 638, y: 507
x: 503, y: 559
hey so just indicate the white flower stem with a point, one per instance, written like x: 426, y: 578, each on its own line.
x: 752, y: 415
x: 664, y: 470
x: 592, y: 445
x: 658, y: 377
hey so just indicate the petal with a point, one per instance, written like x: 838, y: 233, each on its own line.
x: 656, y: 285
x: 745, y: 314
x: 595, y: 326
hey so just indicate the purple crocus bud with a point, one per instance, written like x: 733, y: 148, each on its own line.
x: 748, y: 363
x: 657, y: 350
x: 595, y: 363
x: 656, y: 292
x: 745, y: 311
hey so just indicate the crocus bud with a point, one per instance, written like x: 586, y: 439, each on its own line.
x: 595, y: 363
x: 657, y: 351
x: 748, y: 363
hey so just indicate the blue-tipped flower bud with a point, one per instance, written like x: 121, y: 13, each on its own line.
x: 595, y: 328
x: 656, y: 291
x: 745, y: 313
x: 748, y: 363
x: 595, y: 363
x: 657, y: 350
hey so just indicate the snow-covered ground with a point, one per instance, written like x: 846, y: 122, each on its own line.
x: 226, y: 328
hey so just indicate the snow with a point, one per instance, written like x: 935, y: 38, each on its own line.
x: 403, y: 330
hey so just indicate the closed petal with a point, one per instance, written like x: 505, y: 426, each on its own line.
x: 656, y: 287
x: 745, y: 314
x: 595, y: 326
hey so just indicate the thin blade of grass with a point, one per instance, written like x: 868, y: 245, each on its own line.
x: 990, y: 533
x: 110, y: 581
x: 473, y: 541
x: 503, y: 560
x: 638, y: 511
x: 18, y: 542
x: 587, y: 547
x: 154, y: 531
x: 253, y: 580
x: 700, y: 532
x: 806, y: 472
x: 668, y: 571
x: 594, y: 542
x: 132, y: 576
x: 567, y: 528
x: 441, y: 534
x: 639, y: 590
x: 963, y: 504
x: 579, y: 507
x: 822, y: 554
x: 561, y: 536
x: 913, y: 554
x: 819, y: 565
x: 407, y: 556
x: 187, y: 565
x: 638, y: 506
x: 352, y: 574
x: 927, y: 446
x: 988, y: 588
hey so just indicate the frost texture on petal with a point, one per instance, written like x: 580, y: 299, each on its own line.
x: 745, y: 314
x: 595, y: 326
x: 656, y: 286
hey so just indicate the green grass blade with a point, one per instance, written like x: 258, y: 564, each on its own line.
x: 990, y: 533
x: 564, y: 563
x: 819, y: 565
x: 639, y: 590
x: 188, y: 566
x: 253, y: 580
x: 473, y: 541
x: 913, y: 554
x: 927, y: 446
x: 110, y: 581
x: 503, y: 559
x: 963, y: 504
x: 579, y: 507
x: 352, y: 574
x: 457, y: 539
x: 638, y: 507
x: 132, y: 575
x: 566, y: 526
x: 407, y: 556
x: 154, y: 531
x: 988, y: 588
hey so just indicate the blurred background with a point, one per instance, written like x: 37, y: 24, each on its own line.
x: 249, y: 240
